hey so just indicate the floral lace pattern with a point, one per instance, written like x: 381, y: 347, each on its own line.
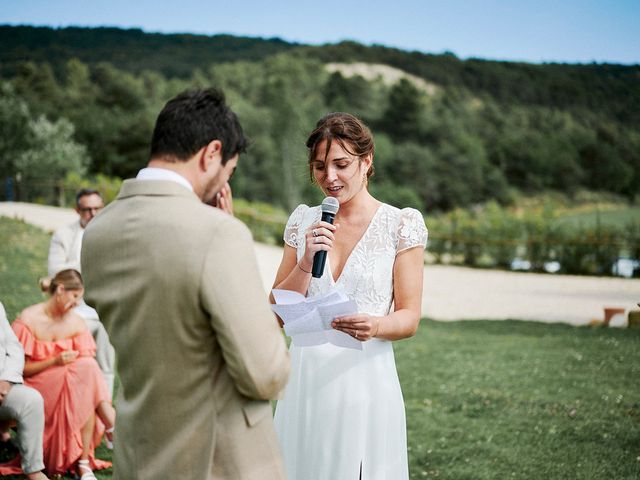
x: 291, y: 234
x: 359, y: 387
x: 367, y: 276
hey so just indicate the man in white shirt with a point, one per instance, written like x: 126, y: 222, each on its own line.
x: 64, y: 252
x: 20, y: 403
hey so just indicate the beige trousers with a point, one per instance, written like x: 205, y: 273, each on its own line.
x: 25, y: 405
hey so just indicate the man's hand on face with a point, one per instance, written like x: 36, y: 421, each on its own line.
x: 224, y: 199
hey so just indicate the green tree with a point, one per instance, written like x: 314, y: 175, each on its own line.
x: 37, y: 84
x: 53, y: 153
x: 354, y: 95
x: 292, y: 92
x: 604, y: 160
x: 79, y: 90
x: 118, y: 89
x: 401, y: 119
x: 15, y: 136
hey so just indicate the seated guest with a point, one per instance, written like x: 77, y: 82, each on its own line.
x: 64, y: 253
x: 19, y: 404
x: 60, y: 364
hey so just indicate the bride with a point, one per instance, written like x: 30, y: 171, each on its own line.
x: 342, y: 416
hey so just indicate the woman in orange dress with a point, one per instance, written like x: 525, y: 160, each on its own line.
x: 60, y: 363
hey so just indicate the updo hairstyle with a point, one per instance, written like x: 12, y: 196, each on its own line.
x: 70, y: 279
x: 349, y: 131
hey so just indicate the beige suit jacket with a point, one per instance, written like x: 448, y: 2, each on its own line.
x: 199, y: 351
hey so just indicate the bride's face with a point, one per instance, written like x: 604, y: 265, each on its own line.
x: 341, y: 174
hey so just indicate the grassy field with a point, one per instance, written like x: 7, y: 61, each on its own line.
x: 23, y: 259
x: 489, y: 399
x: 484, y: 399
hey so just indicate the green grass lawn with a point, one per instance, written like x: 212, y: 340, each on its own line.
x: 508, y: 399
x: 484, y: 399
x: 23, y: 260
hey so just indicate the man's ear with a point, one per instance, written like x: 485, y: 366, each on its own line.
x: 211, y: 155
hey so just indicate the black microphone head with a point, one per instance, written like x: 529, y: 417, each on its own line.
x: 330, y: 205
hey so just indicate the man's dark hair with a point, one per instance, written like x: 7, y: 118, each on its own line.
x: 192, y: 120
x: 85, y: 192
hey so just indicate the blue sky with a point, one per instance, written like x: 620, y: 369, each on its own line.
x: 534, y: 31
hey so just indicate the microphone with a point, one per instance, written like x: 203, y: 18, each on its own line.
x: 329, y: 208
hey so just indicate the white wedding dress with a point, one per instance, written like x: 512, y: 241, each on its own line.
x: 343, y: 410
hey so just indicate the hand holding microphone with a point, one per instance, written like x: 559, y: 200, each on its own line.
x: 320, y: 236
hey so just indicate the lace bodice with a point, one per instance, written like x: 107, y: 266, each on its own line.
x: 367, y: 276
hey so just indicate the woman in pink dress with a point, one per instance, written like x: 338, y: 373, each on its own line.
x: 60, y: 363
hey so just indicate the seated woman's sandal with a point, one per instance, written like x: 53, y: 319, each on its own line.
x: 85, y: 470
x: 108, y: 438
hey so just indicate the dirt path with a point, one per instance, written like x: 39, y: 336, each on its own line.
x: 452, y: 293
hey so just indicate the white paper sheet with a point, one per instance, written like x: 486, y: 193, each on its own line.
x: 308, y: 320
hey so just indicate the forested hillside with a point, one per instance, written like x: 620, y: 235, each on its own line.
x: 131, y: 50
x: 486, y: 130
x: 608, y: 89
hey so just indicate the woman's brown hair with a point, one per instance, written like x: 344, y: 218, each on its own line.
x: 70, y: 279
x: 346, y: 129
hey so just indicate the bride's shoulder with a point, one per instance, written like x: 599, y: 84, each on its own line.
x: 300, y: 210
x: 304, y: 208
x: 303, y: 213
x: 401, y: 214
x: 394, y: 215
x: 298, y: 220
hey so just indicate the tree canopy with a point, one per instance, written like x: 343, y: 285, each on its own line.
x: 488, y: 130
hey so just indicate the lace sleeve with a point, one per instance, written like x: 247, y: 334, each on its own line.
x: 291, y: 235
x: 412, y: 231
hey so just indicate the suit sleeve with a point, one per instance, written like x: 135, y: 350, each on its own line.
x: 57, y: 255
x: 232, y: 293
x: 14, y: 355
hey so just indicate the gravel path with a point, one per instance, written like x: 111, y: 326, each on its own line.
x: 452, y: 293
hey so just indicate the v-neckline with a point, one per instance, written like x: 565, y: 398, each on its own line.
x: 355, y: 247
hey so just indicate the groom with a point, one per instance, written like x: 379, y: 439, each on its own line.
x: 176, y: 284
